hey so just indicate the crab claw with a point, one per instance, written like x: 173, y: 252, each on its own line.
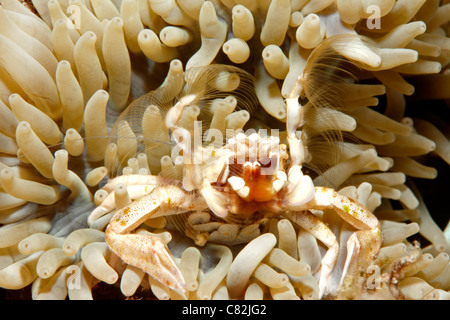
x: 148, y: 253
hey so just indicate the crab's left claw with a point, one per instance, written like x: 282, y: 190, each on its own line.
x: 362, y: 246
x: 148, y: 253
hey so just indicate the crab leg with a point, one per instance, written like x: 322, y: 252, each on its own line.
x: 144, y: 251
x: 109, y: 204
x: 350, y: 210
x: 362, y: 245
x: 133, y: 179
x: 320, y: 230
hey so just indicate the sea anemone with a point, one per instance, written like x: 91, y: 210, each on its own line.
x: 376, y: 71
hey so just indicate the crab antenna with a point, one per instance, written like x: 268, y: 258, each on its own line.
x: 294, y: 120
x: 191, y: 176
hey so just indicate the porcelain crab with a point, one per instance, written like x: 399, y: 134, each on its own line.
x: 245, y: 182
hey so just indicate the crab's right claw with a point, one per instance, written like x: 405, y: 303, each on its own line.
x: 148, y: 253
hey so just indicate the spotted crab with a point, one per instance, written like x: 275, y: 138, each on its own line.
x: 242, y: 184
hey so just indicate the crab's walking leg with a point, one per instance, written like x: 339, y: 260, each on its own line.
x: 363, y: 245
x: 319, y: 229
x: 147, y: 252
x: 350, y: 210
